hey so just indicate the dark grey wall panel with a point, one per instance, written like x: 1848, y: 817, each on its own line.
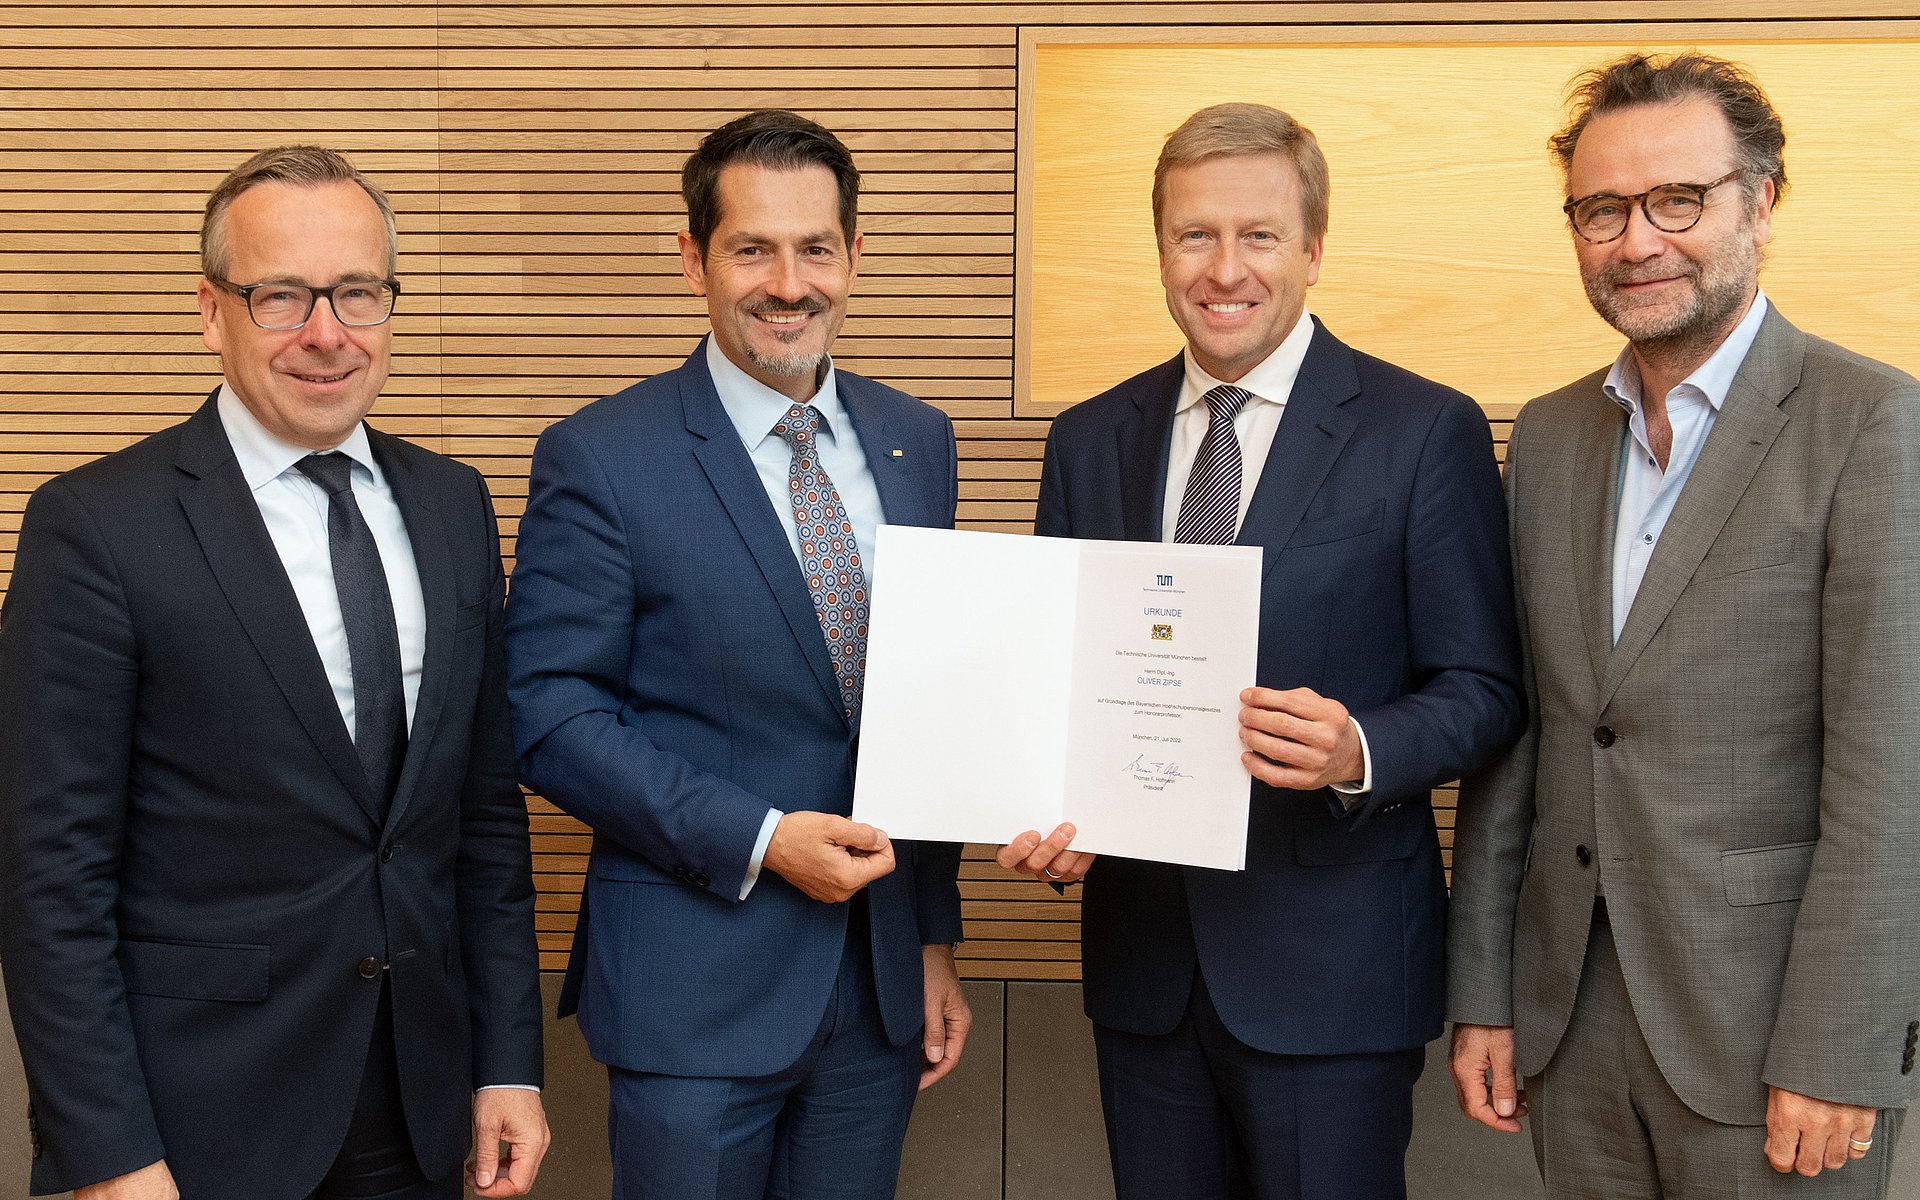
x: 1056, y: 1144
x: 954, y: 1145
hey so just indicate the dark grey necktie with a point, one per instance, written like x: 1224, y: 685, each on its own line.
x: 373, y: 640
x: 1210, y: 508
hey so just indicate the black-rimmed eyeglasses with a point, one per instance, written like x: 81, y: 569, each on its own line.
x: 358, y: 302
x: 1670, y: 208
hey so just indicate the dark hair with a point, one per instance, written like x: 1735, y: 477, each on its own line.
x: 1637, y: 79
x: 300, y: 166
x: 773, y: 138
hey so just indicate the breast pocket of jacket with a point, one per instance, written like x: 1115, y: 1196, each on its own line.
x: 467, y: 616
x: 1766, y: 874
x: 226, y: 971
x: 1740, y: 556
x: 1338, y: 527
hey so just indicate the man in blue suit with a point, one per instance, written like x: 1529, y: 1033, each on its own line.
x: 1259, y: 1032
x: 766, y: 980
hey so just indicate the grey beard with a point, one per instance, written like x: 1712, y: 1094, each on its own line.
x: 787, y: 365
x: 1700, y: 325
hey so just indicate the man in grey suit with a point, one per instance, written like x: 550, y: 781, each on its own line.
x: 1686, y: 913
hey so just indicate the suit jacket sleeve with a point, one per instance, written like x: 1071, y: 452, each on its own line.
x: 1850, y: 989
x: 569, y: 635
x: 1050, y: 518
x: 68, y: 685
x: 493, y: 881
x: 1464, y: 705
x: 1492, y: 828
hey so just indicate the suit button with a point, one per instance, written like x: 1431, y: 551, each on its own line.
x: 386, y: 854
x: 701, y: 879
x: 1602, y: 736
x: 1584, y: 855
x: 369, y: 967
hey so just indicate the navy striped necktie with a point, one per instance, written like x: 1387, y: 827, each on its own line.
x: 1210, y: 509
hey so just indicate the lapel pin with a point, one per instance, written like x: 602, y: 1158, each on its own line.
x: 899, y: 453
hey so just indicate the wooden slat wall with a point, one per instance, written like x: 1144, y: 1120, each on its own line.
x: 532, y: 150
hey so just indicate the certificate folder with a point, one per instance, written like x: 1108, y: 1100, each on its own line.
x: 1015, y: 682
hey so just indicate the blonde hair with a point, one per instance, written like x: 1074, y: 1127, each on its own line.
x: 1232, y: 130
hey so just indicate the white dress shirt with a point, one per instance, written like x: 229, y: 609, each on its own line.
x: 755, y: 410
x: 1270, y: 384
x: 295, y: 510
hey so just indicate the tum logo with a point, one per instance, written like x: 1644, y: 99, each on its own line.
x: 1163, y: 580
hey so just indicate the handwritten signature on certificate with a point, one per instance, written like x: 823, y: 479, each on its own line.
x: 1156, y: 774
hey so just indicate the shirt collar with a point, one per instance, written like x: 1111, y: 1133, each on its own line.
x: 1712, y: 378
x: 1272, y: 380
x: 754, y: 408
x: 263, y: 457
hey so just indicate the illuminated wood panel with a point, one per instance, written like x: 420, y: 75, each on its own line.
x: 1446, y: 252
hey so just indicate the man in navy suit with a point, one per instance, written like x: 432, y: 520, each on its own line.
x: 268, y: 902
x: 766, y: 981
x: 1259, y: 1032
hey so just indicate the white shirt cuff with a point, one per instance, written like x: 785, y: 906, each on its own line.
x: 1350, y: 792
x: 514, y: 1087
x: 760, y: 851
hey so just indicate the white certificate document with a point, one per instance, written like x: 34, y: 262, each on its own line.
x: 1016, y: 682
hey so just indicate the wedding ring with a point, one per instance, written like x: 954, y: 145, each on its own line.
x: 1048, y: 871
x: 1857, y: 1144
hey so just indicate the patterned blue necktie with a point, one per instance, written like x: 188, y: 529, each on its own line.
x: 1210, y: 509
x: 828, y: 554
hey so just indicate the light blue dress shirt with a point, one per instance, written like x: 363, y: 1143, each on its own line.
x: 755, y: 409
x: 1646, y: 493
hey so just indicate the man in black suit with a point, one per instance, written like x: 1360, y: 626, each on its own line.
x: 1259, y: 1032
x: 268, y: 909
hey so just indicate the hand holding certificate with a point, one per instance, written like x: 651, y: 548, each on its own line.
x: 1013, y: 683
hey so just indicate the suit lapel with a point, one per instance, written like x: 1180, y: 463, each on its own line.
x: 240, y: 552
x: 435, y: 566
x: 1142, y: 441
x: 901, y: 503
x: 1312, y: 433
x: 1743, y: 433
x: 730, y: 471
x: 1594, y: 502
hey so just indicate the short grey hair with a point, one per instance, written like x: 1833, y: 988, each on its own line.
x: 301, y: 166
